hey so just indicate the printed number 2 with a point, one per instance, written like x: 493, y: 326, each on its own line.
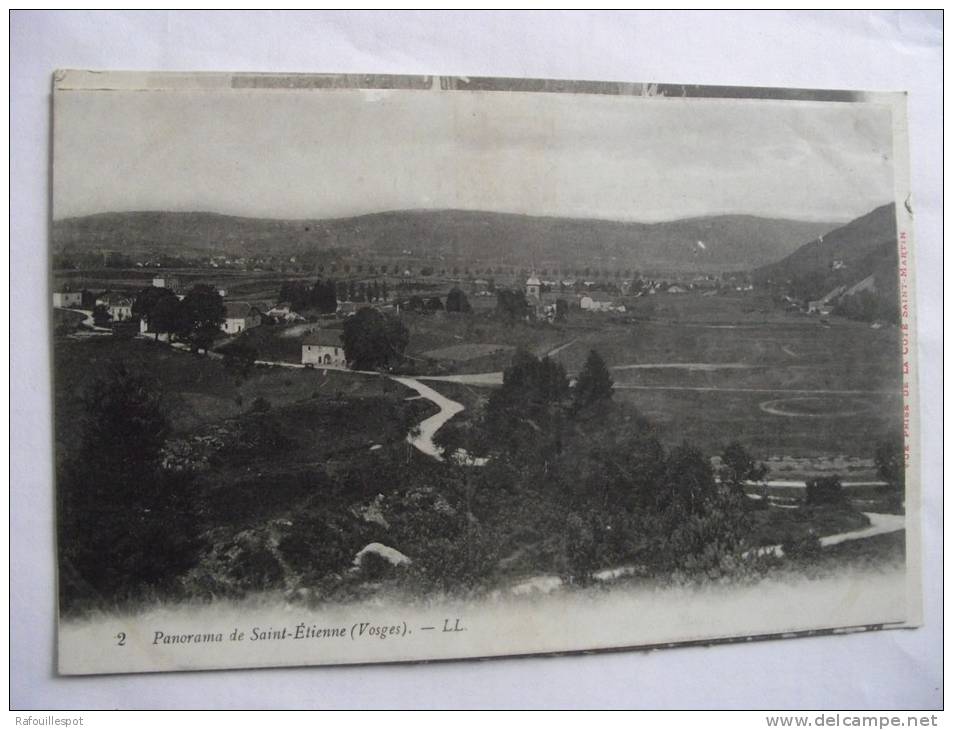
x: 122, y: 638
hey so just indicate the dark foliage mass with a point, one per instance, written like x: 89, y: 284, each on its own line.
x: 511, y: 304
x: 126, y: 525
x: 739, y: 468
x: 890, y: 459
x: 101, y: 316
x: 202, y: 315
x: 196, y: 319
x: 593, y: 383
x: 825, y: 490
x: 238, y: 357
x: 372, y: 339
x: 457, y: 301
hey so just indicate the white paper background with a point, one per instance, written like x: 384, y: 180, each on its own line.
x: 871, y: 50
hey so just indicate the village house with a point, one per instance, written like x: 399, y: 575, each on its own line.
x: 284, y: 313
x: 346, y: 309
x: 598, y: 302
x: 240, y: 316
x: 67, y: 299
x: 323, y: 348
x: 165, y: 282
x: 119, y: 306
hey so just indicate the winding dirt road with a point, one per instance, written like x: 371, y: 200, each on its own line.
x: 422, y: 435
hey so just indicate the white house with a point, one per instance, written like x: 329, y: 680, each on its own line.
x: 285, y: 313
x: 67, y: 299
x: 323, y: 348
x: 119, y: 306
x: 165, y: 282
x: 596, y: 302
x: 240, y: 316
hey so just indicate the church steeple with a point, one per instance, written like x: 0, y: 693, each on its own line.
x: 532, y: 286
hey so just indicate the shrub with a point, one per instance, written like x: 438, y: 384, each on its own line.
x: 583, y: 549
x: 374, y: 567
x: 825, y: 490
x: 806, y: 546
x: 238, y: 358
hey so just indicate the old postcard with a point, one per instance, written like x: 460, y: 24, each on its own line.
x: 381, y: 368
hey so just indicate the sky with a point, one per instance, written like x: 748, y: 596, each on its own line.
x: 323, y: 154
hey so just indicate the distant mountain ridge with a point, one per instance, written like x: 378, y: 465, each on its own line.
x: 724, y: 242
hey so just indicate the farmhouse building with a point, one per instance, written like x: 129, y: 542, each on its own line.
x: 283, y: 312
x: 597, y: 302
x: 323, y: 348
x: 119, y: 306
x: 240, y: 316
x: 67, y: 299
x: 165, y: 282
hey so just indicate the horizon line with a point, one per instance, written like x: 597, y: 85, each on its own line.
x: 643, y: 221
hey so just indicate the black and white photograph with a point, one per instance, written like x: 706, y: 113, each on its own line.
x: 352, y: 369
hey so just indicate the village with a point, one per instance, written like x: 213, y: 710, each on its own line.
x: 536, y: 299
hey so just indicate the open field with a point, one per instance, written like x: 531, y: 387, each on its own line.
x: 198, y: 390
x: 706, y: 308
x: 793, y: 387
x: 711, y: 419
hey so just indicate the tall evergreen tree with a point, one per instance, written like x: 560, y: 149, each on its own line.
x: 594, y: 382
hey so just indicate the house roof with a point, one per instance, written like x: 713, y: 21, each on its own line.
x: 532, y: 281
x: 327, y: 338
x: 597, y: 296
x: 239, y: 310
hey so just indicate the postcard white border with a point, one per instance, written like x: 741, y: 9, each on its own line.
x: 884, y: 55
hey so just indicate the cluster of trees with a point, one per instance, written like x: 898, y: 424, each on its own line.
x: 868, y: 306
x: 536, y: 401
x: 511, y: 304
x: 238, y: 358
x: 374, y: 340
x: 457, y: 301
x: 127, y: 527
x: 197, y: 318
x: 594, y: 479
x: 824, y: 490
x: 101, y: 315
x: 417, y: 303
x: 324, y: 294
